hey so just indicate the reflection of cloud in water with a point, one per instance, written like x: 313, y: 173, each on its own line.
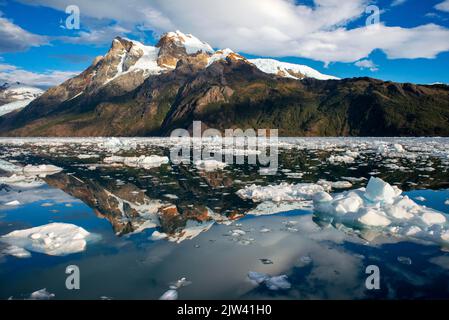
x: 29, y: 196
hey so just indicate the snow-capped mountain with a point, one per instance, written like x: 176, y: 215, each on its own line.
x: 16, y: 96
x: 140, y: 90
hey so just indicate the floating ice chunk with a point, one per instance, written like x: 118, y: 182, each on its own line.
x: 446, y: 202
x: 272, y: 283
x: 374, y: 219
x: 405, y: 260
x: 382, y: 206
x: 341, y: 185
x: 145, y: 162
x: 13, y: 203
x: 266, y: 261
x: 422, y: 199
x: 156, y: 235
x: 341, y: 159
x: 42, y: 294
x: 210, y: 165
x: 270, y: 208
x: 17, y: 252
x: 183, y: 282
x: 55, y: 239
x: 171, y: 294
x: 322, y: 197
x: 282, y: 192
x: 433, y: 217
x: 398, y: 148
x: 305, y: 260
x: 41, y: 170
x: 378, y: 190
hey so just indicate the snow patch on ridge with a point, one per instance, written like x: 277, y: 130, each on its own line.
x: 289, y: 70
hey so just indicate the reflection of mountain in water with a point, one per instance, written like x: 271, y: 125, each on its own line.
x: 129, y: 209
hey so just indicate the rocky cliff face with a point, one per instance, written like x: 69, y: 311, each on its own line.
x: 138, y: 90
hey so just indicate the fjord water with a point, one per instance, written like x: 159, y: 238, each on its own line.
x: 322, y: 260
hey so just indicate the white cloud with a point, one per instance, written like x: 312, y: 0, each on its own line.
x: 367, y: 64
x: 13, y: 38
x: 443, y: 6
x: 269, y: 27
x: 97, y: 37
x: 10, y: 73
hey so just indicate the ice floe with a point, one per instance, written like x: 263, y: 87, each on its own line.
x: 210, y: 165
x: 145, y: 162
x: 382, y: 206
x: 281, y: 192
x: 55, y: 239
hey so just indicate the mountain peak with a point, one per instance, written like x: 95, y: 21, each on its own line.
x: 190, y: 43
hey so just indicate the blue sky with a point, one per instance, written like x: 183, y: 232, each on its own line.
x: 412, y: 46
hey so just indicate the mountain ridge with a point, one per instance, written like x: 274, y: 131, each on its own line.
x: 138, y: 90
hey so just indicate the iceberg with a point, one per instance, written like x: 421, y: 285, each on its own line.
x: 383, y: 207
x: 55, y: 239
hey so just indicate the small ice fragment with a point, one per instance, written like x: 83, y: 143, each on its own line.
x: 183, y: 282
x: 379, y: 190
x: 405, y: 260
x: 156, y: 235
x: 266, y: 261
x: 17, y: 252
x: 398, y: 148
x: 13, y: 203
x: 170, y: 295
x: 265, y: 230
x: 305, y: 260
x: 446, y: 202
x: 42, y: 294
x: 422, y: 199
x: 237, y: 233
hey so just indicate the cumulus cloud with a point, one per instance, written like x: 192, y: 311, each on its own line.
x: 367, y: 64
x: 270, y: 27
x: 443, y: 6
x: 10, y: 73
x: 13, y: 38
